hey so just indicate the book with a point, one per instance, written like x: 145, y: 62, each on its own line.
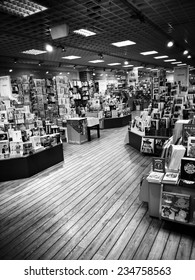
x: 3, y: 136
x: 158, y: 146
x: 175, y: 206
x: 155, y: 177
x: 175, y: 154
x: 188, y: 130
x: 16, y: 148
x: 147, y: 145
x: 27, y: 148
x: 191, y: 146
x: 164, y: 122
x: 16, y: 136
x: 158, y: 164
x: 171, y: 178
x: 36, y: 142
x: 188, y: 169
x: 154, y: 123
x: 4, y: 149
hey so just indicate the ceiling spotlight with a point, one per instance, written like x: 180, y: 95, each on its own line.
x: 10, y: 70
x: 47, y: 72
x: 15, y: 60
x: 74, y: 66
x: 185, y: 52
x: 63, y: 49
x: 40, y: 63
x: 189, y: 56
x: 49, y: 48
x: 170, y: 44
x: 126, y: 62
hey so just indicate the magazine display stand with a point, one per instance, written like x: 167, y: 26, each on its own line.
x: 26, y: 166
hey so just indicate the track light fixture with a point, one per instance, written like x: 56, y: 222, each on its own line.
x: 15, y: 60
x: 40, y: 63
x: 189, y: 56
x: 74, y: 66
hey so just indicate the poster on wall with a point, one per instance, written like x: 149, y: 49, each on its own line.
x: 133, y: 76
x: 181, y: 75
x: 5, y: 87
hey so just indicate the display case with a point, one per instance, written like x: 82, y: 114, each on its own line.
x: 26, y: 166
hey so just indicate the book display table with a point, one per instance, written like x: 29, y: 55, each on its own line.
x: 117, y: 122
x: 26, y: 166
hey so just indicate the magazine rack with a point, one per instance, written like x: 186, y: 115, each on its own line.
x: 26, y: 166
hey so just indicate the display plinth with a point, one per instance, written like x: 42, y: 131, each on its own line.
x: 117, y: 122
x: 24, y: 167
x: 77, y: 130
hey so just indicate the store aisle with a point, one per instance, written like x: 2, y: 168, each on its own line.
x: 88, y: 208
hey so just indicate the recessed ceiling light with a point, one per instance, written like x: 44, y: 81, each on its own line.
x: 129, y: 65
x: 126, y: 62
x: 96, y: 61
x: 113, y: 64
x: 70, y: 57
x: 169, y: 60
x: 154, y: 69
x: 148, y: 52
x: 170, y: 44
x: 176, y: 62
x: 34, y: 52
x: 10, y: 70
x: 181, y: 64
x: 49, y: 48
x: 139, y: 67
x: 185, y: 52
x: 84, y: 32
x: 149, y: 68
x: 161, y: 56
x: 123, y: 43
x: 189, y: 56
x: 22, y: 8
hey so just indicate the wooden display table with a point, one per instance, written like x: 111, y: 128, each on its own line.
x: 24, y: 167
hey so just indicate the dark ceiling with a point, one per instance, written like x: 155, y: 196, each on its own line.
x: 149, y: 23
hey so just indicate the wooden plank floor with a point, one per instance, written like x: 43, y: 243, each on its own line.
x: 87, y: 207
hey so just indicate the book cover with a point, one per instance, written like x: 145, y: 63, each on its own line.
x: 191, y: 147
x: 147, y: 145
x: 188, y: 130
x: 4, y: 149
x: 158, y: 164
x: 3, y: 136
x: 171, y: 178
x: 155, y: 177
x: 27, y: 148
x: 176, y: 154
x: 154, y: 124
x: 16, y: 136
x: 36, y: 142
x: 175, y: 206
x: 158, y: 145
x: 188, y: 169
x: 16, y: 148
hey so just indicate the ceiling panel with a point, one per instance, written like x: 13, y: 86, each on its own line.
x: 149, y: 23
